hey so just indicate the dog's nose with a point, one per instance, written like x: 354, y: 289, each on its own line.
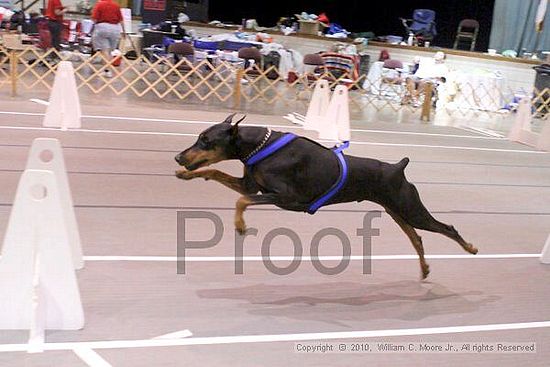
x: 178, y: 158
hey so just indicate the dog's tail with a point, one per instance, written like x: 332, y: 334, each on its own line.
x: 396, y: 174
x: 402, y: 164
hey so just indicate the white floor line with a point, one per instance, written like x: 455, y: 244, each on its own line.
x: 21, y: 113
x: 40, y: 101
x: 487, y: 132
x: 216, y: 340
x: 98, y: 131
x: 451, y: 147
x: 122, y: 118
x: 90, y: 357
x: 323, y: 141
x: 307, y: 258
x: 175, y: 335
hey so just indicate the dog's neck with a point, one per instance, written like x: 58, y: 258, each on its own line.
x: 251, y: 140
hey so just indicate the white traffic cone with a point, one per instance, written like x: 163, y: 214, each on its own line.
x: 335, y: 124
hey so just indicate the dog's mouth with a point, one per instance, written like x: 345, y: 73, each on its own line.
x: 195, y: 165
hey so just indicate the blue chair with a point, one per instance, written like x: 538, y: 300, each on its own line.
x: 236, y: 46
x: 206, y: 45
x: 422, y: 24
x: 167, y: 41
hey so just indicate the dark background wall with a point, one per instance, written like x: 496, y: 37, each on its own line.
x: 380, y: 17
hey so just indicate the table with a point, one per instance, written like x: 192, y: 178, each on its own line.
x: 153, y: 37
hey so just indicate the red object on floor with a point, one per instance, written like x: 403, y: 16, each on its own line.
x: 117, y: 60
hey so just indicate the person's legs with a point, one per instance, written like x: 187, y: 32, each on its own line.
x: 106, y: 38
x: 413, y: 85
x: 112, y: 40
x: 419, y: 88
x: 100, y: 42
x: 106, y: 54
x: 55, y: 33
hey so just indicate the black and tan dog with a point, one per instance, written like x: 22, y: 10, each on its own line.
x: 304, y: 170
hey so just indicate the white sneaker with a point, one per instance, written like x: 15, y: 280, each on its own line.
x: 107, y: 73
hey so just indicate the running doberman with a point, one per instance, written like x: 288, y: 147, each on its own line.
x: 298, y: 174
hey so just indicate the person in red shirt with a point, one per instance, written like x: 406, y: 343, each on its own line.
x: 54, y: 13
x: 108, y: 25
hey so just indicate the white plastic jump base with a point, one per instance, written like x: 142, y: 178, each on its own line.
x: 64, y: 110
x: 521, y: 131
x: 318, y: 105
x: 295, y: 118
x: 545, y: 255
x: 335, y: 124
x: 38, y: 285
x: 329, y: 116
x: 47, y: 154
x: 544, y: 137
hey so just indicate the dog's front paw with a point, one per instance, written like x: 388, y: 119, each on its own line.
x: 240, y: 226
x: 184, y: 174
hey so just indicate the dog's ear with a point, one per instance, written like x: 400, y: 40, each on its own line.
x: 229, y: 119
x: 235, y: 126
x: 238, y: 122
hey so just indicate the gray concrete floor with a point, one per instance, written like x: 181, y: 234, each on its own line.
x: 496, y: 193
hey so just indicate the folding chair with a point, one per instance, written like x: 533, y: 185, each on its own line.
x: 467, y: 31
x: 422, y: 25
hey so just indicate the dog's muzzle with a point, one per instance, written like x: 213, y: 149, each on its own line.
x: 180, y: 159
x: 183, y: 161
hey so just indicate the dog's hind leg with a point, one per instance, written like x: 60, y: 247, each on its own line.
x: 246, y: 201
x: 416, y: 214
x: 448, y: 231
x: 415, y: 239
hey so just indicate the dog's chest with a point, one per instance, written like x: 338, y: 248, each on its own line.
x: 260, y: 181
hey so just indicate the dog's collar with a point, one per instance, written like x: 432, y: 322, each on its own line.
x: 260, y: 146
x: 269, y: 149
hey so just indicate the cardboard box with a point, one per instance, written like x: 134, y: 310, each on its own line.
x: 309, y: 27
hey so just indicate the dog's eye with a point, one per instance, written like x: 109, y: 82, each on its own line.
x: 204, y: 141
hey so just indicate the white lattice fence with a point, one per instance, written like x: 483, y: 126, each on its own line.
x: 4, y: 67
x: 223, y: 82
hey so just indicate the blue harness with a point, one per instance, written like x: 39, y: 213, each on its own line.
x: 286, y: 139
